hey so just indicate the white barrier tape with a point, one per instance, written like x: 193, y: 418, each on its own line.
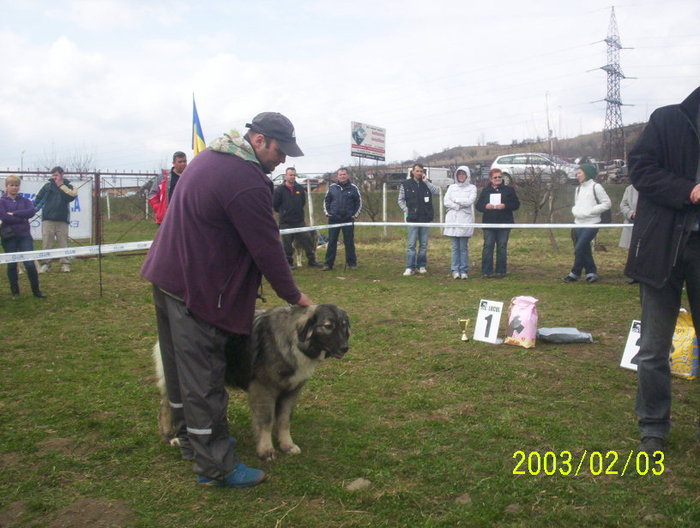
x: 433, y: 224
x: 73, y: 251
x: 6, y: 258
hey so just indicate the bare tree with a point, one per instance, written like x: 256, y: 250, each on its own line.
x: 371, y: 199
x: 540, y: 193
x: 81, y: 162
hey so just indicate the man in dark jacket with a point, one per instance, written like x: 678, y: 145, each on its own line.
x: 497, y: 201
x: 416, y: 201
x: 53, y: 199
x: 664, y: 252
x: 206, y: 264
x: 288, y: 201
x: 342, y: 204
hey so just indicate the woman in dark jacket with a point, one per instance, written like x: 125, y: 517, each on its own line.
x: 497, y: 210
x: 15, y: 212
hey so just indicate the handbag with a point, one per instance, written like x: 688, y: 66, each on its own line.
x: 6, y: 231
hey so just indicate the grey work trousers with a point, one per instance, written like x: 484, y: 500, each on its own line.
x: 194, y: 364
x: 660, y: 308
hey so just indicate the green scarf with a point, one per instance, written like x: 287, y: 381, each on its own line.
x: 232, y: 143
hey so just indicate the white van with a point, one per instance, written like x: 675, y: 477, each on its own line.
x: 438, y: 176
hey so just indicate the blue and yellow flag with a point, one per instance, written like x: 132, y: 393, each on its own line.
x: 198, y: 144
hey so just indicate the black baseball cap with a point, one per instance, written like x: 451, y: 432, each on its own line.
x: 274, y: 125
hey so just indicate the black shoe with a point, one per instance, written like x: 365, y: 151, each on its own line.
x: 39, y: 295
x: 570, y: 278
x: 327, y: 268
x: 652, y: 446
x: 315, y: 264
x: 632, y: 281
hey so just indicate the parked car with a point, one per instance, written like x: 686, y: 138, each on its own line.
x: 529, y: 164
x: 301, y: 180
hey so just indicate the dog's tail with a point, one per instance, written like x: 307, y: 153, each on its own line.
x: 165, y: 424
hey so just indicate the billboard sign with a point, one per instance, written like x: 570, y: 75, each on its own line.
x: 367, y: 141
x: 80, y: 208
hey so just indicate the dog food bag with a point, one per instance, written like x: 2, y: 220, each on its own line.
x: 522, y: 322
x: 684, y: 351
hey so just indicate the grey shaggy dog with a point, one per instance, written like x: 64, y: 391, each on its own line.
x: 285, y: 347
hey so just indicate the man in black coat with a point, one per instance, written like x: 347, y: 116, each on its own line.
x: 288, y: 201
x: 664, y: 252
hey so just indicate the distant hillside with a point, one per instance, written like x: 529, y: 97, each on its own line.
x: 585, y: 145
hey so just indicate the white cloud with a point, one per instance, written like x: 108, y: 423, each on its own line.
x: 117, y: 76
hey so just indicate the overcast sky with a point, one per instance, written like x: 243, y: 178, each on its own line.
x: 113, y: 79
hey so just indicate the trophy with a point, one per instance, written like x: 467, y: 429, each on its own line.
x: 464, y: 323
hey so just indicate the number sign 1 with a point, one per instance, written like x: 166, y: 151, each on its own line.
x: 488, y: 320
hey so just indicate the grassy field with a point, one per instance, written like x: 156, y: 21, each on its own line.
x: 431, y: 422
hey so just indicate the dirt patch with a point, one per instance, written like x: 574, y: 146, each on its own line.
x: 9, y: 459
x: 10, y: 516
x: 71, y: 447
x: 96, y: 513
x: 62, y: 445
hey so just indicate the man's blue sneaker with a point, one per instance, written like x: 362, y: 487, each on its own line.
x: 241, y: 477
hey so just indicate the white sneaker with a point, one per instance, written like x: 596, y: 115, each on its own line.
x: 65, y: 268
x: 463, y: 276
x: 455, y: 275
x: 422, y: 270
x: 44, y: 268
x: 408, y: 272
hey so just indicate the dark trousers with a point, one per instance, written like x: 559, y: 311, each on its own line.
x: 659, y: 313
x: 348, y: 240
x: 497, y: 238
x: 304, y: 239
x: 194, y: 364
x: 20, y: 244
x: 583, y: 253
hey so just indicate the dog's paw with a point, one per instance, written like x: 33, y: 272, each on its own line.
x: 292, y: 449
x: 266, y: 453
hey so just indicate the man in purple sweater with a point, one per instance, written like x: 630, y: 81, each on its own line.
x: 206, y: 265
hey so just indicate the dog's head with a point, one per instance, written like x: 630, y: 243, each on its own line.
x: 325, y: 333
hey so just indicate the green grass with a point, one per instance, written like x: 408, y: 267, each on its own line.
x: 424, y: 416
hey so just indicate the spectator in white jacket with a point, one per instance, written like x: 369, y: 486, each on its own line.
x: 628, y: 208
x: 459, y: 201
x: 590, y: 201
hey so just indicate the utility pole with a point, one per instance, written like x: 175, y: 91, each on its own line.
x: 613, y: 133
x: 549, y: 128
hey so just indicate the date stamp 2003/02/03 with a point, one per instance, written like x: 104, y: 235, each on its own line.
x: 594, y: 463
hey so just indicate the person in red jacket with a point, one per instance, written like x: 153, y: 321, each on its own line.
x: 163, y: 186
x: 206, y: 264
